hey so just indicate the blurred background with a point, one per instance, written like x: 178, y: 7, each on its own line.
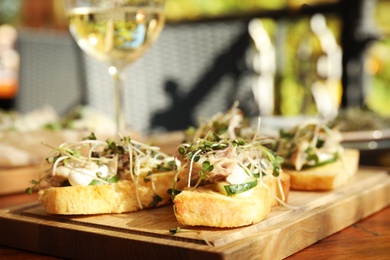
x: 279, y: 58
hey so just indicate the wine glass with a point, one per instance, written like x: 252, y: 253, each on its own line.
x: 116, y: 32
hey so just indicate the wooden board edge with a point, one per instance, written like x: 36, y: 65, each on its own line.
x: 270, y: 241
x: 67, y: 242
x: 27, y: 231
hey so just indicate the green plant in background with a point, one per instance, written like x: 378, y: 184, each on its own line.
x: 291, y: 97
x: 298, y: 50
x: 378, y: 63
x: 9, y: 11
x: 301, y: 50
x: 378, y: 89
x: 182, y: 10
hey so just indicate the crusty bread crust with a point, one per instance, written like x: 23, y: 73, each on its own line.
x: 118, y: 197
x: 326, y: 177
x: 204, y: 207
x: 209, y: 208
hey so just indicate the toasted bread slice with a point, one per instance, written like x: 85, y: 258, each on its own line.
x: 326, y: 177
x: 123, y: 196
x: 204, y: 207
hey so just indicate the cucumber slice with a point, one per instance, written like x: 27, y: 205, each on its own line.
x: 322, y: 163
x: 235, y: 189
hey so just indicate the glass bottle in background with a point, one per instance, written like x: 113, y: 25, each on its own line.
x: 9, y: 67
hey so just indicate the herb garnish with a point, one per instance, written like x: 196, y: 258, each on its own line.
x: 310, y: 144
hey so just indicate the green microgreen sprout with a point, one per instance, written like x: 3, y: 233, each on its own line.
x: 156, y: 200
x: 206, y: 167
x: 174, y: 231
x: 30, y: 190
x: 277, y: 166
x: 92, y: 136
x: 312, y: 155
x: 173, y: 192
x: 146, y: 178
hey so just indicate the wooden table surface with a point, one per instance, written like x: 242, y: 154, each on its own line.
x: 366, y: 239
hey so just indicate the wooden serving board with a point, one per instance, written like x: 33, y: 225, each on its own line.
x: 145, y: 234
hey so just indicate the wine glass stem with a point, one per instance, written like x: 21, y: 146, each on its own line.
x: 119, y: 108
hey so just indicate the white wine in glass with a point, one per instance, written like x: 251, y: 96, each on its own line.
x: 116, y: 32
